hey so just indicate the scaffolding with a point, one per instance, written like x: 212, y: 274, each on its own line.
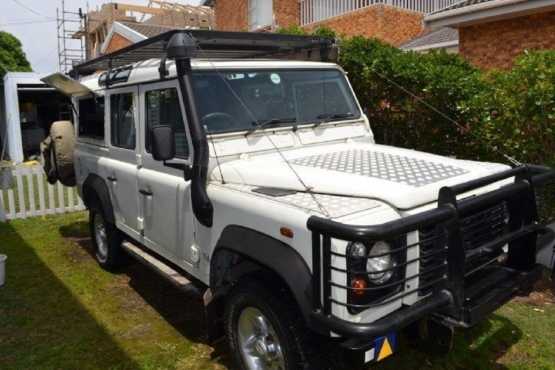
x: 71, y: 49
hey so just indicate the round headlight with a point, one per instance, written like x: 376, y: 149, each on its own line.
x: 376, y: 265
x: 358, y: 250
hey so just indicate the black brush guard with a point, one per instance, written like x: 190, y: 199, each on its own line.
x: 466, y: 282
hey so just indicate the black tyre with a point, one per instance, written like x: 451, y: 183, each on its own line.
x: 106, y: 238
x: 264, y: 332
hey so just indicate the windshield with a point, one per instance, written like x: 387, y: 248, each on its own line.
x: 240, y: 100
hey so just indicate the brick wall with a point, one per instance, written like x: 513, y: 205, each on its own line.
x: 231, y: 15
x: 496, y: 44
x: 286, y: 12
x: 117, y: 42
x: 392, y: 25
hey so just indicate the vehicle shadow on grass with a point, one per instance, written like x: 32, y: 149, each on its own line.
x: 480, y: 347
x: 181, y: 308
x: 42, y: 323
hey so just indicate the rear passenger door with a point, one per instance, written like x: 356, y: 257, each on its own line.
x: 165, y: 199
x: 122, y: 163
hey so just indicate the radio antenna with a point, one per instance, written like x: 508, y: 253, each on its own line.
x: 215, y: 154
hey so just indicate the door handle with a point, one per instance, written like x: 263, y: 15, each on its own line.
x: 146, y: 193
x: 112, y: 178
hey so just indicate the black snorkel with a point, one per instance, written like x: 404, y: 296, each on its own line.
x: 181, y: 48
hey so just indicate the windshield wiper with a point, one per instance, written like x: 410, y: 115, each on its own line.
x: 274, y: 121
x: 327, y: 117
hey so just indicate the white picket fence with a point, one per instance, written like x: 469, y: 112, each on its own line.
x: 320, y: 10
x: 31, y: 195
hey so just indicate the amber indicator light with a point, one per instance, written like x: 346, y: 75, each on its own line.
x: 358, y: 284
x: 287, y: 232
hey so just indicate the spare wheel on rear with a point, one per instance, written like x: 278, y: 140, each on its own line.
x: 57, y: 153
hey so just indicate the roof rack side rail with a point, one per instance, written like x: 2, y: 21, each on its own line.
x: 218, y: 44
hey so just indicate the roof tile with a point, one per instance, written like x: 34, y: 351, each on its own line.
x: 149, y: 30
x: 445, y: 34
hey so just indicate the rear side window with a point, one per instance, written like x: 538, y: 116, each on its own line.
x: 162, y: 108
x: 122, y: 121
x: 91, y: 118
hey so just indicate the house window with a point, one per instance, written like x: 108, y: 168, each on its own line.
x: 162, y: 108
x: 122, y: 121
x: 91, y: 118
x: 260, y: 14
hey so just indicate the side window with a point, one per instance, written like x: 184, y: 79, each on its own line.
x: 91, y: 118
x: 122, y: 121
x: 162, y: 108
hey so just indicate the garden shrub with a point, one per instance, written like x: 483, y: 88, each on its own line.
x: 291, y: 30
x: 516, y: 110
x: 496, y: 112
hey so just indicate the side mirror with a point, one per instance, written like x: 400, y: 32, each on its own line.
x: 162, y: 140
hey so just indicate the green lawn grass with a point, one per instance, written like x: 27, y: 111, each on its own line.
x: 59, y: 310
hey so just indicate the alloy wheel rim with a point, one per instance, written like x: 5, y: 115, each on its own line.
x: 100, y: 238
x: 258, y: 342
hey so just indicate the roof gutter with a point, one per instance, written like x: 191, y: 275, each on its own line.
x: 452, y: 17
x: 471, y: 9
x: 437, y: 45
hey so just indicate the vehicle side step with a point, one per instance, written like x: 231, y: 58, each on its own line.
x: 157, y: 265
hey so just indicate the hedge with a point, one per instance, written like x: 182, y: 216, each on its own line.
x: 439, y: 103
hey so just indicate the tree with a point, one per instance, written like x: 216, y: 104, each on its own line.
x: 12, y: 57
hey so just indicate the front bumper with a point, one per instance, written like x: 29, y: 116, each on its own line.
x: 459, y: 297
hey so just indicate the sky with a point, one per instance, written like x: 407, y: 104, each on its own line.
x: 33, y: 22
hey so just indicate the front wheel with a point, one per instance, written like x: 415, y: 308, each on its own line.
x: 262, y: 331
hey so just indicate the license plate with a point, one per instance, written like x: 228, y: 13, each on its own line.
x: 383, y: 348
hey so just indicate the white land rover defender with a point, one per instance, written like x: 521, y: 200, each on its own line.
x: 260, y: 181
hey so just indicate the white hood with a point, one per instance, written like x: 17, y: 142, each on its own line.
x: 402, y: 178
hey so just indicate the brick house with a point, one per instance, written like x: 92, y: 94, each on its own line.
x: 493, y: 32
x: 393, y: 21
x: 116, y: 25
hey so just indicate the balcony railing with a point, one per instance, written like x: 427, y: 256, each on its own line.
x: 319, y: 10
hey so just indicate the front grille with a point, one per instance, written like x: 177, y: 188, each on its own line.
x: 484, y: 226
x: 476, y: 230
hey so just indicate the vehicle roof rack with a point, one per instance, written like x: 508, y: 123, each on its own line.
x: 219, y: 44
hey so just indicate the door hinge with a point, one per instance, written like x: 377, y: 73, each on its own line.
x: 195, y: 254
x: 140, y: 224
